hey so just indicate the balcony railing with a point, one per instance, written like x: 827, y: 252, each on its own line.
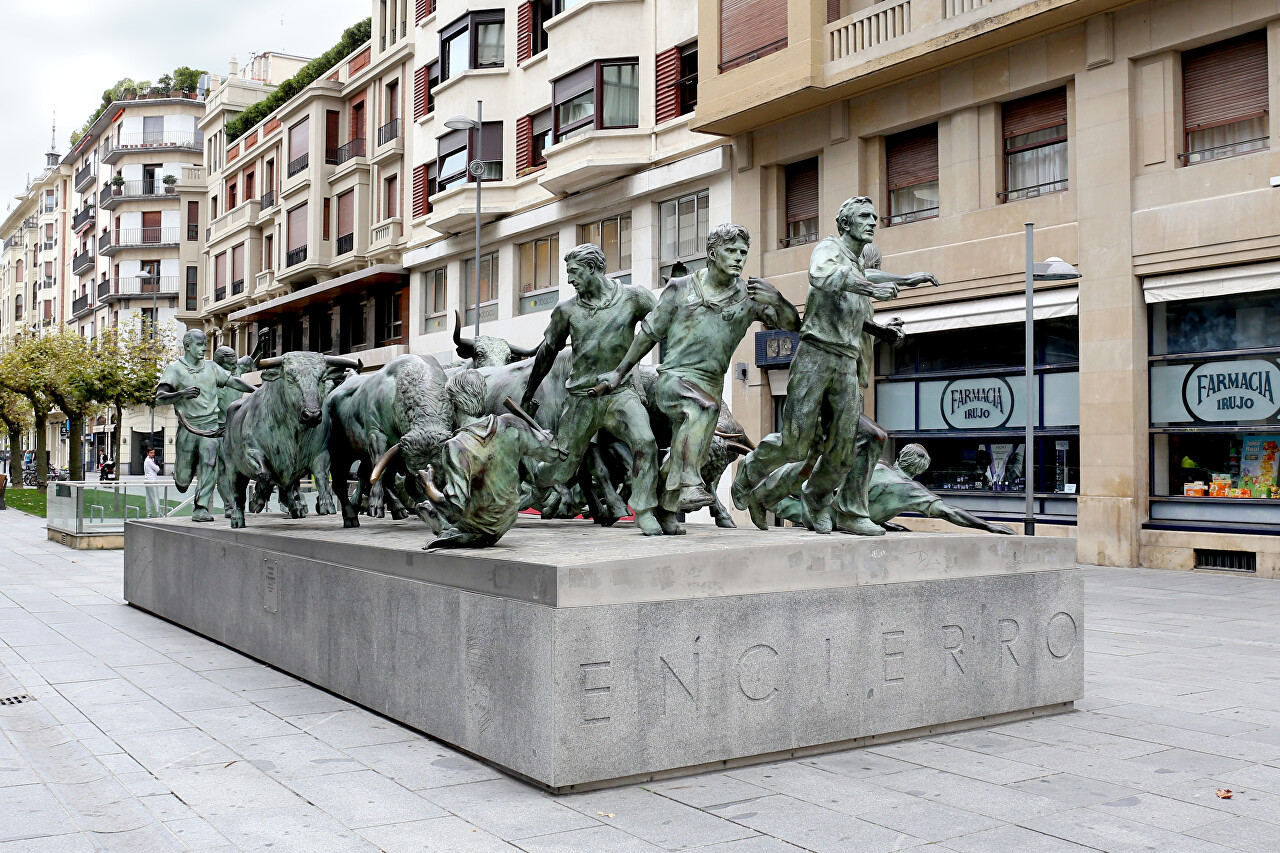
x: 346, y: 243
x: 237, y: 286
x: 15, y: 240
x: 151, y: 141
x: 47, y: 283
x: 295, y: 256
x: 104, y: 287
x: 82, y: 262
x: 354, y: 148
x: 84, y: 177
x: 124, y: 238
x: 139, y: 286
x: 146, y: 188
x: 868, y: 28
x: 79, y: 304
x: 49, y: 245
x: 193, y: 231
x: 83, y: 218
x: 297, y: 165
x: 389, y: 131
x: 219, y: 293
x: 104, y: 240
x: 268, y: 199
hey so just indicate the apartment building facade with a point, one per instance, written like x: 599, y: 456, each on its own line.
x: 1139, y: 140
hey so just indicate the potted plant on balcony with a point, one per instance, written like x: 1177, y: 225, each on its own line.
x: 170, y: 184
x: 117, y: 184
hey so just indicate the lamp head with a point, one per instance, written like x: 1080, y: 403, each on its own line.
x: 1055, y: 269
x: 461, y: 123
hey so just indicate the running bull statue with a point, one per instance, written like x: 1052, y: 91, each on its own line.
x: 275, y: 437
x: 486, y: 350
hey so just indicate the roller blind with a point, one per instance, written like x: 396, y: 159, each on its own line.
x: 750, y: 29
x: 1225, y: 82
x: 299, y: 138
x: 802, y: 190
x: 346, y: 213
x: 1037, y: 112
x: 237, y: 263
x: 298, y: 227
x: 575, y: 83
x: 911, y: 157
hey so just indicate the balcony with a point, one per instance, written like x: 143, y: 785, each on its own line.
x: 237, y: 287
x: 385, y: 235
x: 46, y: 283
x: 454, y: 209
x: 124, y: 288
x: 84, y: 178
x: 140, y: 238
x: 83, y: 218
x: 268, y: 200
x: 298, y: 164
x: 237, y: 217
x: 169, y: 140
x: 295, y: 256
x: 79, y: 305
x: 14, y: 241
x: 355, y: 149
x: 149, y: 188
x: 104, y: 288
x: 82, y: 262
x: 219, y: 293
x: 390, y: 141
x: 593, y: 159
x: 346, y: 243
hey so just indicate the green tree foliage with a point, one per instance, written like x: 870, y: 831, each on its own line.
x: 15, y: 417
x: 353, y: 38
x: 183, y: 80
x: 23, y: 372
x: 127, y: 362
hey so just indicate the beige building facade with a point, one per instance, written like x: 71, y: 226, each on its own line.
x: 1139, y: 140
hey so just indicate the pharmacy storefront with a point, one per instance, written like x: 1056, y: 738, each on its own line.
x: 1214, y: 370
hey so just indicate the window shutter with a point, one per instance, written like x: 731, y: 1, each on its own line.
x: 524, y: 31
x: 524, y: 144
x: 833, y: 11
x: 420, y: 190
x: 297, y: 221
x: 750, y: 29
x: 492, y: 151
x: 1225, y: 82
x: 668, y: 75
x: 574, y: 83
x: 1037, y: 112
x: 425, y: 7
x: 802, y: 190
x: 911, y: 157
x: 420, y: 93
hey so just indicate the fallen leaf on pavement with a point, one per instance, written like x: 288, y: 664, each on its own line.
x: 1224, y: 793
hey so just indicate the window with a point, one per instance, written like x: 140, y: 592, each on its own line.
x: 433, y: 81
x: 232, y: 198
x: 1224, y: 98
x: 392, y: 111
x: 248, y: 186
x: 387, y: 320
x: 324, y: 218
x: 682, y: 224
x: 801, y: 202
x: 391, y: 197
x: 488, y: 287
x: 346, y: 222
x: 320, y: 330
x: 476, y: 40
x: 911, y: 163
x: 543, y: 11
x: 457, y: 146
x: 268, y: 252
x: 297, y: 222
x: 435, y: 297
x: 152, y: 130
x: 750, y: 29
x: 192, y: 288
x: 299, y: 142
x: 613, y: 236
x: 1035, y: 145
x: 539, y: 274
x: 237, y: 269
x: 576, y: 110
x: 688, y: 82
x: 193, y: 220
x: 541, y: 128
x: 220, y: 276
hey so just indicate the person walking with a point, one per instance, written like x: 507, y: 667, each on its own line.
x: 151, y: 473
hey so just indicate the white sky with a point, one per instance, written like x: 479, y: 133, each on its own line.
x: 59, y: 55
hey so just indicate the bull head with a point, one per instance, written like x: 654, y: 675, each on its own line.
x: 310, y: 389
x: 475, y: 348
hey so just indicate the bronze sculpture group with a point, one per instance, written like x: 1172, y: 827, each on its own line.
x: 451, y: 444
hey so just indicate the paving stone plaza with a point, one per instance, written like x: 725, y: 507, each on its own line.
x: 140, y: 736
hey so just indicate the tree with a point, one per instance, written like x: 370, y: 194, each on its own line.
x: 15, y: 415
x: 187, y: 80
x: 69, y: 369
x: 22, y: 372
x: 127, y: 362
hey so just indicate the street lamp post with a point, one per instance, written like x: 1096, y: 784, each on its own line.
x: 1054, y: 269
x: 475, y: 167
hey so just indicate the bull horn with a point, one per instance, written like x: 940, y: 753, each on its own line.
x: 392, y: 452
x: 736, y: 436
x: 429, y: 486
x: 344, y: 362
x: 741, y: 448
x: 466, y: 347
x: 522, y: 352
x: 268, y: 363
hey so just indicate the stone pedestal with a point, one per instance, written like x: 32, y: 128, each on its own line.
x: 577, y: 656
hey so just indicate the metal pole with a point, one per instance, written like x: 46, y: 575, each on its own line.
x: 151, y: 439
x: 1028, y: 450
x: 479, y: 185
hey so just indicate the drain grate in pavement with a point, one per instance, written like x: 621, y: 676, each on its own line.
x: 16, y: 700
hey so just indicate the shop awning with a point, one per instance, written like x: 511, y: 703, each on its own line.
x: 324, y: 293
x: 1223, y: 281
x: 974, y: 313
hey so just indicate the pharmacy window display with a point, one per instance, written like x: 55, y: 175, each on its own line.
x: 962, y: 394
x: 1215, y: 416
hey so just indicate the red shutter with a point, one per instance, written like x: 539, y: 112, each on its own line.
x: 524, y: 145
x: 668, y: 92
x: 750, y: 29
x: 1037, y: 112
x: 524, y: 30
x: 802, y: 190
x: 420, y: 190
x: 833, y: 11
x: 1225, y: 82
x: 911, y: 157
x: 424, y: 8
x: 420, y: 93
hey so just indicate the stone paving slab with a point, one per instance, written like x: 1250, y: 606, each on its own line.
x: 144, y: 737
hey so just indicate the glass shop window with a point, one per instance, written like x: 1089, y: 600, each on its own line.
x: 997, y: 464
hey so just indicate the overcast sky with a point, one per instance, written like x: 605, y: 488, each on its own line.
x: 58, y: 55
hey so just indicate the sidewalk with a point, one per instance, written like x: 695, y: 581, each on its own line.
x: 143, y: 737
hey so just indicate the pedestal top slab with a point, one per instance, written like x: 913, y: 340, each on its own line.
x: 574, y: 563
